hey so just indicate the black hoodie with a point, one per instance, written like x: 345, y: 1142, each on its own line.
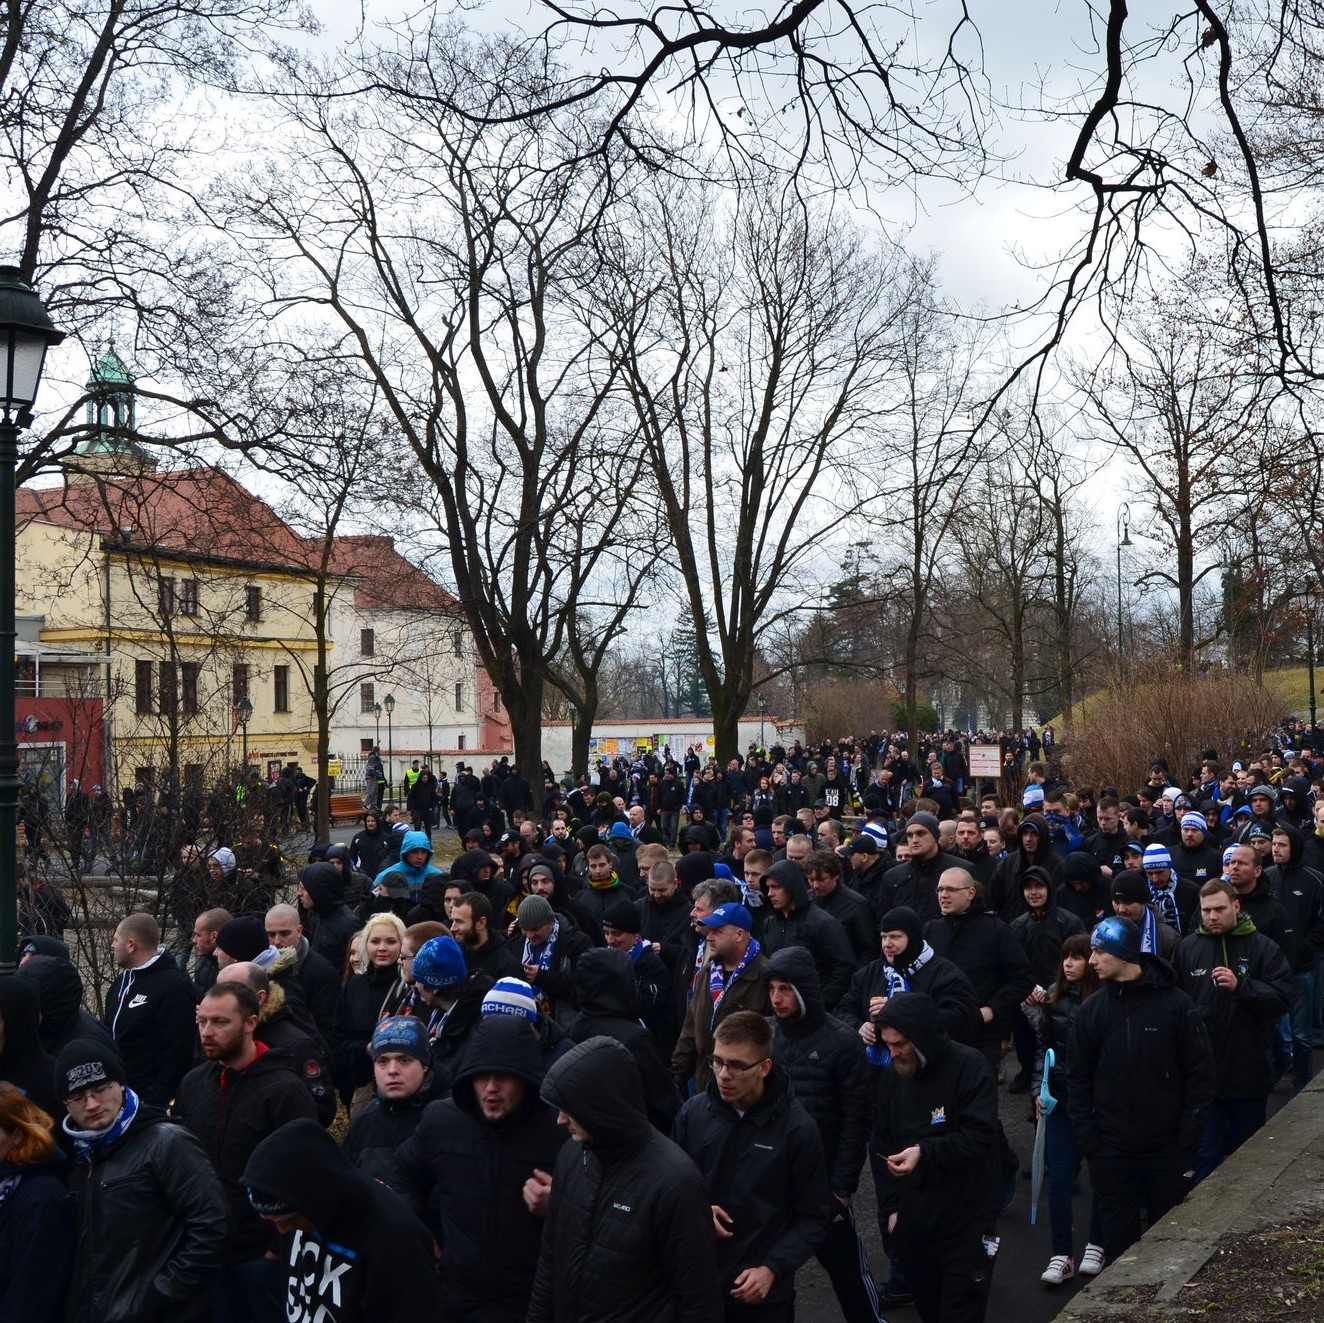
x: 63, y: 1018
x: 23, y: 1063
x: 336, y: 923
x: 950, y: 1109
x: 629, y: 1230
x: 1093, y: 900
x: 1297, y: 889
x: 368, y: 1258
x: 467, y: 1174
x: 811, y: 927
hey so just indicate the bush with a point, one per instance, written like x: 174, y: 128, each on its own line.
x: 926, y: 716
x: 1124, y: 729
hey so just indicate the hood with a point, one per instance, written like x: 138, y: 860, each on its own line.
x: 1081, y: 867
x: 1298, y: 842
x: 597, y: 1083
x: 432, y: 894
x: 691, y: 869
x: 1300, y: 787
x: 301, y: 1165
x: 20, y: 1008
x: 1040, y: 824
x: 904, y: 920
x: 60, y: 990
x: 467, y: 864
x: 416, y: 840
x: 605, y: 982
x: 324, y: 884
x: 915, y: 1015
x: 498, y: 1044
x: 796, y: 966
x: 790, y: 876
x: 40, y: 944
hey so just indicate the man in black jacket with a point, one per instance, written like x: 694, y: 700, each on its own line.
x: 629, y: 1235
x: 847, y: 906
x: 485, y: 947
x: 825, y: 1063
x: 1084, y: 889
x: 762, y: 1163
x: 354, y: 1252
x: 318, y: 981
x: 467, y: 1164
x: 1241, y: 984
x: 1300, y: 891
x: 149, y: 1011
x: 936, y: 1128
x: 240, y: 1095
x: 914, y: 883
x: 149, y: 1213
x: 796, y: 921
x: 322, y: 893
x: 1140, y: 1083
x: 620, y: 927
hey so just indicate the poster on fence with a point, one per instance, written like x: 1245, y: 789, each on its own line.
x: 986, y: 761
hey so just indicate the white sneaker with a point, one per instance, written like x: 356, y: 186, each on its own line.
x: 1059, y: 1269
x: 1091, y: 1262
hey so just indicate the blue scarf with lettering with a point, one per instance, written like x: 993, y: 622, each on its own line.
x: 543, y: 958
x: 88, y: 1143
x: 719, y: 982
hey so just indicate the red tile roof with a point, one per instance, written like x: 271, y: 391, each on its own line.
x: 387, y: 579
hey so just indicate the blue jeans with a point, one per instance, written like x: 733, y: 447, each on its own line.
x: 1232, y: 1121
x: 1300, y: 1019
x: 1060, y: 1150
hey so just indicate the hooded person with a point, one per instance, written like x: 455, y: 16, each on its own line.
x: 1033, y: 849
x: 936, y: 1130
x: 60, y: 987
x: 1043, y: 927
x: 322, y: 890
x: 358, y: 885
x: 372, y: 848
x: 354, y: 1251
x: 466, y: 1166
x: 476, y: 867
x: 693, y: 868
x: 24, y: 1063
x: 629, y: 1230
x: 1083, y: 890
x: 1299, y: 891
x: 620, y: 841
x: 402, y: 880
x: 796, y: 921
x: 1295, y: 802
x: 609, y: 1007
x: 43, y: 944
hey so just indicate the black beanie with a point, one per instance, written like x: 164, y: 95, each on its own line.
x: 622, y: 916
x: 244, y: 938
x: 903, y: 919
x: 1130, y: 886
x: 84, y: 1063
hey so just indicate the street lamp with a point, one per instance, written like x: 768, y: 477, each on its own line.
x: 390, y: 743
x: 1123, y: 540
x: 26, y: 333
x: 243, y: 711
x: 763, y: 707
x: 377, y: 717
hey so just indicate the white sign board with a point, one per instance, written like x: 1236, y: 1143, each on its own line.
x: 986, y: 761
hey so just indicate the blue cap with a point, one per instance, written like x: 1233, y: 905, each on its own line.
x: 1118, y: 937
x: 620, y: 831
x: 730, y: 915
x: 440, y: 964
x: 401, y: 1033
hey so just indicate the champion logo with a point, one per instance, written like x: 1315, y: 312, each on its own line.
x: 139, y: 1000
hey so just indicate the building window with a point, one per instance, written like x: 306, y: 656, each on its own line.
x: 142, y: 687
x: 252, y: 602
x: 165, y: 596
x: 367, y: 642
x: 459, y: 695
x: 460, y: 742
x: 367, y: 699
x: 282, y: 688
x: 239, y: 682
x: 457, y: 643
x: 168, y: 686
x: 496, y: 701
x: 190, y: 672
x: 188, y: 597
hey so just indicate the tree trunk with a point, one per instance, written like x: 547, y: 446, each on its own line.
x: 726, y: 725
x: 524, y: 707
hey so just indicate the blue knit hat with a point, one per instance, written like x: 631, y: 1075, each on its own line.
x: 1197, y: 821
x: 1118, y: 937
x: 1156, y: 856
x: 401, y: 1033
x: 511, y: 996
x: 440, y: 964
x: 1033, y: 796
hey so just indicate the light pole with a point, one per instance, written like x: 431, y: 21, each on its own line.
x: 243, y: 711
x: 390, y: 745
x: 26, y: 333
x: 377, y: 717
x: 1123, y: 540
x: 763, y: 707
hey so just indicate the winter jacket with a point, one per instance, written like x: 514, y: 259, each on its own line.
x: 936, y: 977
x: 336, y: 922
x: 63, y: 1018
x: 320, y: 985
x: 451, y: 1032
x: 1041, y: 939
x: 151, y: 1013
x: 1197, y: 866
x: 465, y: 1175
x: 1141, y: 1073
x: 369, y: 1258
x: 993, y: 960
x: 668, y: 925
x: 1240, y: 1023
x: 151, y: 1222
x: 377, y: 1133
x: 1271, y: 919
x: 496, y: 958
x: 1108, y: 849
x: 309, y: 1058
x: 1088, y: 904
x: 766, y: 1170
x: 629, y: 1230
x: 231, y: 1112
x: 609, y: 1007
x: 402, y: 881
x: 808, y: 926
x: 23, y: 1061
x: 749, y: 992
x: 36, y: 1241
x: 372, y: 851
x: 364, y: 1001
x: 856, y: 916
x: 557, y: 983
x: 1006, y: 898
x: 826, y: 1066
x: 950, y: 1109
x: 914, y: 883
x: 1055, y: 1025
x: 1300, y: 892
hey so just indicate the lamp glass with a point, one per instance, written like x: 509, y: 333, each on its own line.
x: 390, y: 702
x: 20, y: 375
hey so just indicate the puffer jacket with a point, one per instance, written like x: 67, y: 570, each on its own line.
x: 364, y: 1000
x: 377, y: 1133
x: 810, y: 927
x: 826, y: 1065
x: 36, y: 1240
x: 1041, y: 937
x: 766, y: 1170
x: 629, y: 1230
x: 983, y: 946
x: 465, y: 1176
x: 152, y: 1222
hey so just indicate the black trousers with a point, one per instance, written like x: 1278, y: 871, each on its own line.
x: 770, y: 1311
x: 1125, y: 1188
x: 948, y: 1273
x: 846, y: 1263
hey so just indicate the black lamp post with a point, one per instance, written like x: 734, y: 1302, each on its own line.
x: 26, y: 333
x: 390, y: 745
x: 377, y: 717
x: 243, y: 711
x: 1123, y: 540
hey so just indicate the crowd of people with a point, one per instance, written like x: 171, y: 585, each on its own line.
x: 630, y: 1053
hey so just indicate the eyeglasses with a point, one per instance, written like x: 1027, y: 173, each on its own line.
x: 952, y: 891
x: 720, y: 1065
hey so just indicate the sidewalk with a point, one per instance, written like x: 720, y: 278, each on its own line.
x: 1248, y: 1244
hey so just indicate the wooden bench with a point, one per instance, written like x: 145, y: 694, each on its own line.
x: 346, y: 808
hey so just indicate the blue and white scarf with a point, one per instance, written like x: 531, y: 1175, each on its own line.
x: 88, y: 1143
x: 1167, y: 903
x: 639, y: 947
x: 719, y: 981
x: 543, y: 957
x: 1149, y: 940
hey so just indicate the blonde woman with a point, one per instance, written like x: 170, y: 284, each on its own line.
x: 366, y: 999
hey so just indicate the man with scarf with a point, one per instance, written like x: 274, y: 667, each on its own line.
x: 1240, y: 982
x: 620, y: 928
x: 736, y: 979
x: 1177, y: 900
x: 550, y: 953
x: 150, y: 1215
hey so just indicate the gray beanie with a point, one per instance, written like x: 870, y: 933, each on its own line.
x: 534, y: 912
x: 925, y: 820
